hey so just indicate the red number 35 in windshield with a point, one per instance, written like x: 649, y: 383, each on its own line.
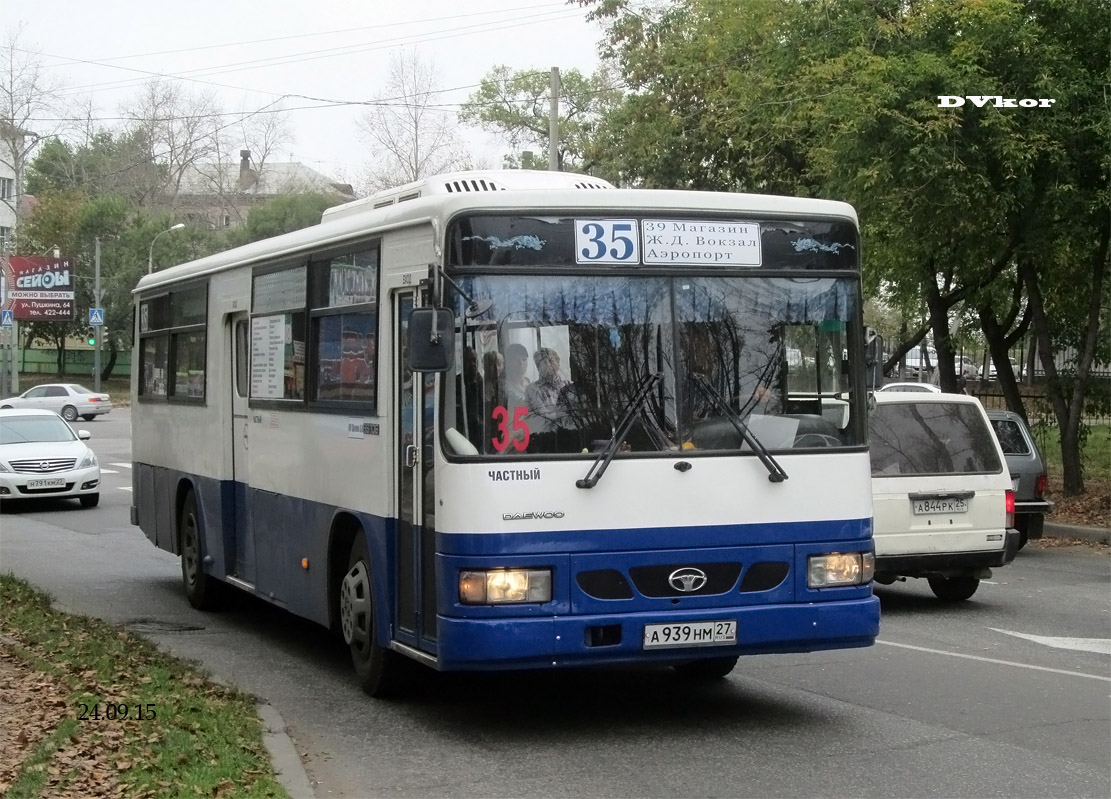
x: 516, y: 434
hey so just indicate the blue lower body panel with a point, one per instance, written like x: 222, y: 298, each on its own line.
x: 566, y: 641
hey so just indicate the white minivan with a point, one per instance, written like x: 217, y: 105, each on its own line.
x: 943, y: 504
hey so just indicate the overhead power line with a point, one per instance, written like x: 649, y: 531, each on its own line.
x: 248, y: 42
x: 196, y: 75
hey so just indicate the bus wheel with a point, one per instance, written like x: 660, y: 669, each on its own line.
x: 705, y: 670
x: 379, y: 670
x: 954, y: 589
x: 202, y: 590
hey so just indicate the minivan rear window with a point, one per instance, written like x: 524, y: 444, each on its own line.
x: 931, y: 438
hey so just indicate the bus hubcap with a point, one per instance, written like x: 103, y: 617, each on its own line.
x: 354, y: 605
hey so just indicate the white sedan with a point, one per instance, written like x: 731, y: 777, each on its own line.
x: 68, y: 400
x: 41, y: 457
x: 930, y: 387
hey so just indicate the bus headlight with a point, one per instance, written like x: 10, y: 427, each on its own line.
x: 505, y: 586
x: 841, y: 568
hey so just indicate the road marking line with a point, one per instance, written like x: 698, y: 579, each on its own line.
x: 108, y: 471
x: 993, y: 660
x: 124, y: 488
x: 1101, y: 646
x: 122, y: 465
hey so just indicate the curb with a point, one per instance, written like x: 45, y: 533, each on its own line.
x: 290, y: 771
x: 1095, y: 535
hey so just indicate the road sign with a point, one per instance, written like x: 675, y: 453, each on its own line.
x: 6, y: 319
x: 96, y: 316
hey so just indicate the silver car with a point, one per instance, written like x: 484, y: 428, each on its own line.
x: 68, y: 400
x: 1028, y: 473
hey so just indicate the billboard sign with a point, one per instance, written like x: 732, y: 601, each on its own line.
x: 38, y: 289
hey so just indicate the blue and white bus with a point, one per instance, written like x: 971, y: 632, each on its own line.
x: 521, y: 420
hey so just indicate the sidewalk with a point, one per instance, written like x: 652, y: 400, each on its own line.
x: 1094, y: 535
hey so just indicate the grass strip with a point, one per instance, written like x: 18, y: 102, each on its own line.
x: 137, y: 722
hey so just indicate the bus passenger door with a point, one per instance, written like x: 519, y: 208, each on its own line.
x: 416, y: 530
x: 243, y: 563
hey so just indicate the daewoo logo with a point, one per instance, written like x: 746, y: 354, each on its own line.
x: 532, y: 514
x: 687, y: 579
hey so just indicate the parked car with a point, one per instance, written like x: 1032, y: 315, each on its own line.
x: 68, y: 400
x: 1028, y: 473
x: 41, y: 457
x: 914, y: 364
x: 930, y: 387
x: 967, y: 368
x: 943, y: 503
x: 1014, y: 369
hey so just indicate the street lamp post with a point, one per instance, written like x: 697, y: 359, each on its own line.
x: 150, y: 254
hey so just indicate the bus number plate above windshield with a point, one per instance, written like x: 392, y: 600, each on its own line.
x: 691, y: 242
x: 694, y: 633
x: 607, y: 241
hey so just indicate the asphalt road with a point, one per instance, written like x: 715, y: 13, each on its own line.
x: 1005, y: 695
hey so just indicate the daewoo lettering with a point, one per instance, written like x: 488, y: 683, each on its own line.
x: 540, y: 514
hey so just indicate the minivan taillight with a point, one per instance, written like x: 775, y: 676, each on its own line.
x: 1010, y: 508
x: 1040, y: 485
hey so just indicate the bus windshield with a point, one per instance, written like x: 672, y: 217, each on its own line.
x: 548, y: 365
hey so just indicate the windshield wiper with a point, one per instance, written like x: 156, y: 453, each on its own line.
x: 776, y: 474
x: 602, y: 462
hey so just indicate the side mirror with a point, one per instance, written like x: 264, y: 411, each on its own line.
x: 431, y: 340
x: 84, y: 435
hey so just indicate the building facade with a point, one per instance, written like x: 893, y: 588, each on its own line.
x: 220, y: 195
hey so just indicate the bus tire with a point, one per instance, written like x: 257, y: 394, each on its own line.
x: 202, y: 590
x: 953, y: 589
x: 706, y: 670
x: 379, y: 670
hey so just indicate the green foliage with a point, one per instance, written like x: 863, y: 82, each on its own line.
x: 283, y: 215
x: 961, y: 208
x: 516, y: 104
x: 115, y: 163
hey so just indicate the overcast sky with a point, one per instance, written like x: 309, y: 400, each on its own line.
x: 251, y: 53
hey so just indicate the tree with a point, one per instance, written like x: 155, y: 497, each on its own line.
x: 105, y: 163
x: 517, y: 105
x: 841, y: 100
x: 411, y: 136
x: 283, y: 215
x: 180, y: 129
x: 26, y: 93
x: 261, y: 133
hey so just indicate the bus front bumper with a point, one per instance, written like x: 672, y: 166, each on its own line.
x: 563, y: 641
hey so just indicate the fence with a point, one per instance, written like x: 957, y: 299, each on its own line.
x: 79, y: 362
x: 1039, y: 412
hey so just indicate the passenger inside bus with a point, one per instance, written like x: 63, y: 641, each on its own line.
x: 545, y: 397
x: 516, y: 379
